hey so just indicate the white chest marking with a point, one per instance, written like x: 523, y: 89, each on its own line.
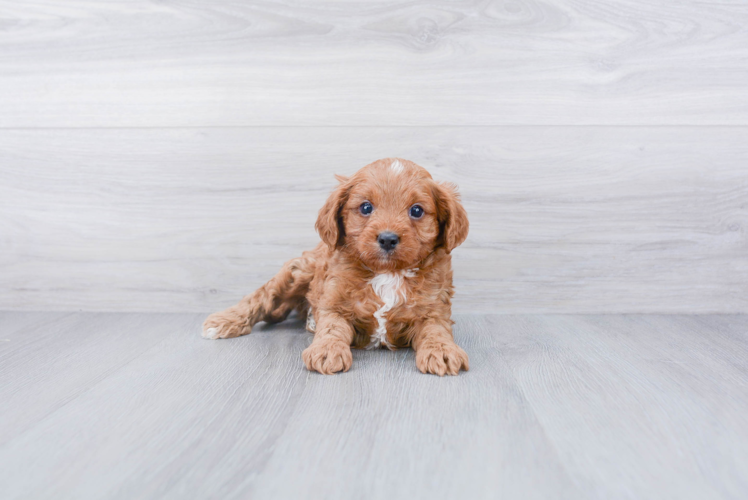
x: 389, y: 288
x: 396, y: 166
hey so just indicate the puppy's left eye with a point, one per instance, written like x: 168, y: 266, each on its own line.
x: 416, y: 211
x: 366, y: 208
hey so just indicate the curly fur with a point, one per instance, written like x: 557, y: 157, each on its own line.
x: 357, y: 295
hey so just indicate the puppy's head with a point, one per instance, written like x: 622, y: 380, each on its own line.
x: 391, y: 214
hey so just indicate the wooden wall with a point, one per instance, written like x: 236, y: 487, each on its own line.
x: 170, y: 156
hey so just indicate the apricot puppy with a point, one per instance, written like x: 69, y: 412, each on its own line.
x: 381, y: 277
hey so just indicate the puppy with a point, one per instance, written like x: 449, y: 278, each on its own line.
x: 381, y: 277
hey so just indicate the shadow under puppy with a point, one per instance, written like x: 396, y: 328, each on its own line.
x: 381, y: 277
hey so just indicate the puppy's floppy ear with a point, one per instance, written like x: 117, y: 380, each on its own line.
x: 452, y: 217
x: 330, y: 219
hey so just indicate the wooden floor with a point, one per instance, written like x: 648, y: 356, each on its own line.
x: 98, y: 405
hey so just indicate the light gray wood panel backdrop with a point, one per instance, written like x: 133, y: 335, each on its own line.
x: 582, y: 218
x: 388, y: 62
x: 170, y: 156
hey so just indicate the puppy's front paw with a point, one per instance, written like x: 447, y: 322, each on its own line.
x: 327, y: 356
x: 441, y: 359
x: 224, y: 326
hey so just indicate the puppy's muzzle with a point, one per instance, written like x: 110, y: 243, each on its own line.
x: 388, y: 241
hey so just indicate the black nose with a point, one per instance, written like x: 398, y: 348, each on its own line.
x: 388, y: 241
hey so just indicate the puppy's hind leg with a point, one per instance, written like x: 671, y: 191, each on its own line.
x: 272, y: 302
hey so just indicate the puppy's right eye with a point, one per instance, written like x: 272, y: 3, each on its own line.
x: 366, y: 208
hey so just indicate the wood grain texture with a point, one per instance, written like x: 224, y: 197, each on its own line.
x: 563, y: 219
x: 422, y: 63
x: 85, y: 351
x: 555, y: 406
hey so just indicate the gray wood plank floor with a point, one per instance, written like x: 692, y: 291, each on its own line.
x: 127, y: 406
